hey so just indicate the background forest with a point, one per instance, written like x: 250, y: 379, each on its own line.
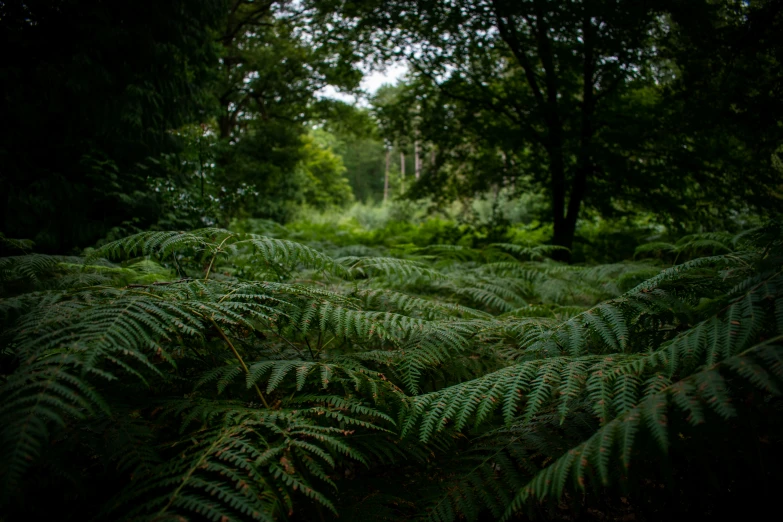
x: 540, y: 275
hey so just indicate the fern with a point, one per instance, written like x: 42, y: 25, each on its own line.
x: 224, y: 375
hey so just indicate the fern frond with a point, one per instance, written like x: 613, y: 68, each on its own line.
x: 703, y: 390
x: 41, y: 395
x: 389, y: 267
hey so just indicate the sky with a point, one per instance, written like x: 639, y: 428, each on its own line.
x: 370, y: 83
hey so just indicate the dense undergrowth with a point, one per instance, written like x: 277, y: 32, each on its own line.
x: 233, y: 375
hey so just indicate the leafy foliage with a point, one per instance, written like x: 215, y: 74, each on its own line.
x: 97, y: 85
x: 392, y: 366
x: 234, y: 376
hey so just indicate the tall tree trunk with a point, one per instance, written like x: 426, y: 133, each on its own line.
x: 545, y: 92
x: 386, y: 177
x: 402, y: 171
x: 416, y: 160
x: 565, y: 234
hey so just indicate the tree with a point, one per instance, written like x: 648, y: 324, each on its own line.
x: 90, y: 91
x: 324, y: 184
x: 541, y: 77
x: 364, y: 159
x: 727, y: 102
x: 273, y: 61
x: 358, y: 141
x: 569, y: 98
x: 397, y: 123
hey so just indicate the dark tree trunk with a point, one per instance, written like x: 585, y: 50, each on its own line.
x: 565, y: 218
x: 565, y: 225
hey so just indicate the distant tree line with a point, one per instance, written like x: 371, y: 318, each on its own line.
x: 173, y: 114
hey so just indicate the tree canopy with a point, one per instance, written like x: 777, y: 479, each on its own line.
x: 91, y: 91
x: 178, y: 114
x: 599, y: 103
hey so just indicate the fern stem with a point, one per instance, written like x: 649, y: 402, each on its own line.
x: 217, y: 251
x: 239, y: 358
x: 232, y: 292
x: 327, y: 343
x: 309, y: 349
x: 292, y: 345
